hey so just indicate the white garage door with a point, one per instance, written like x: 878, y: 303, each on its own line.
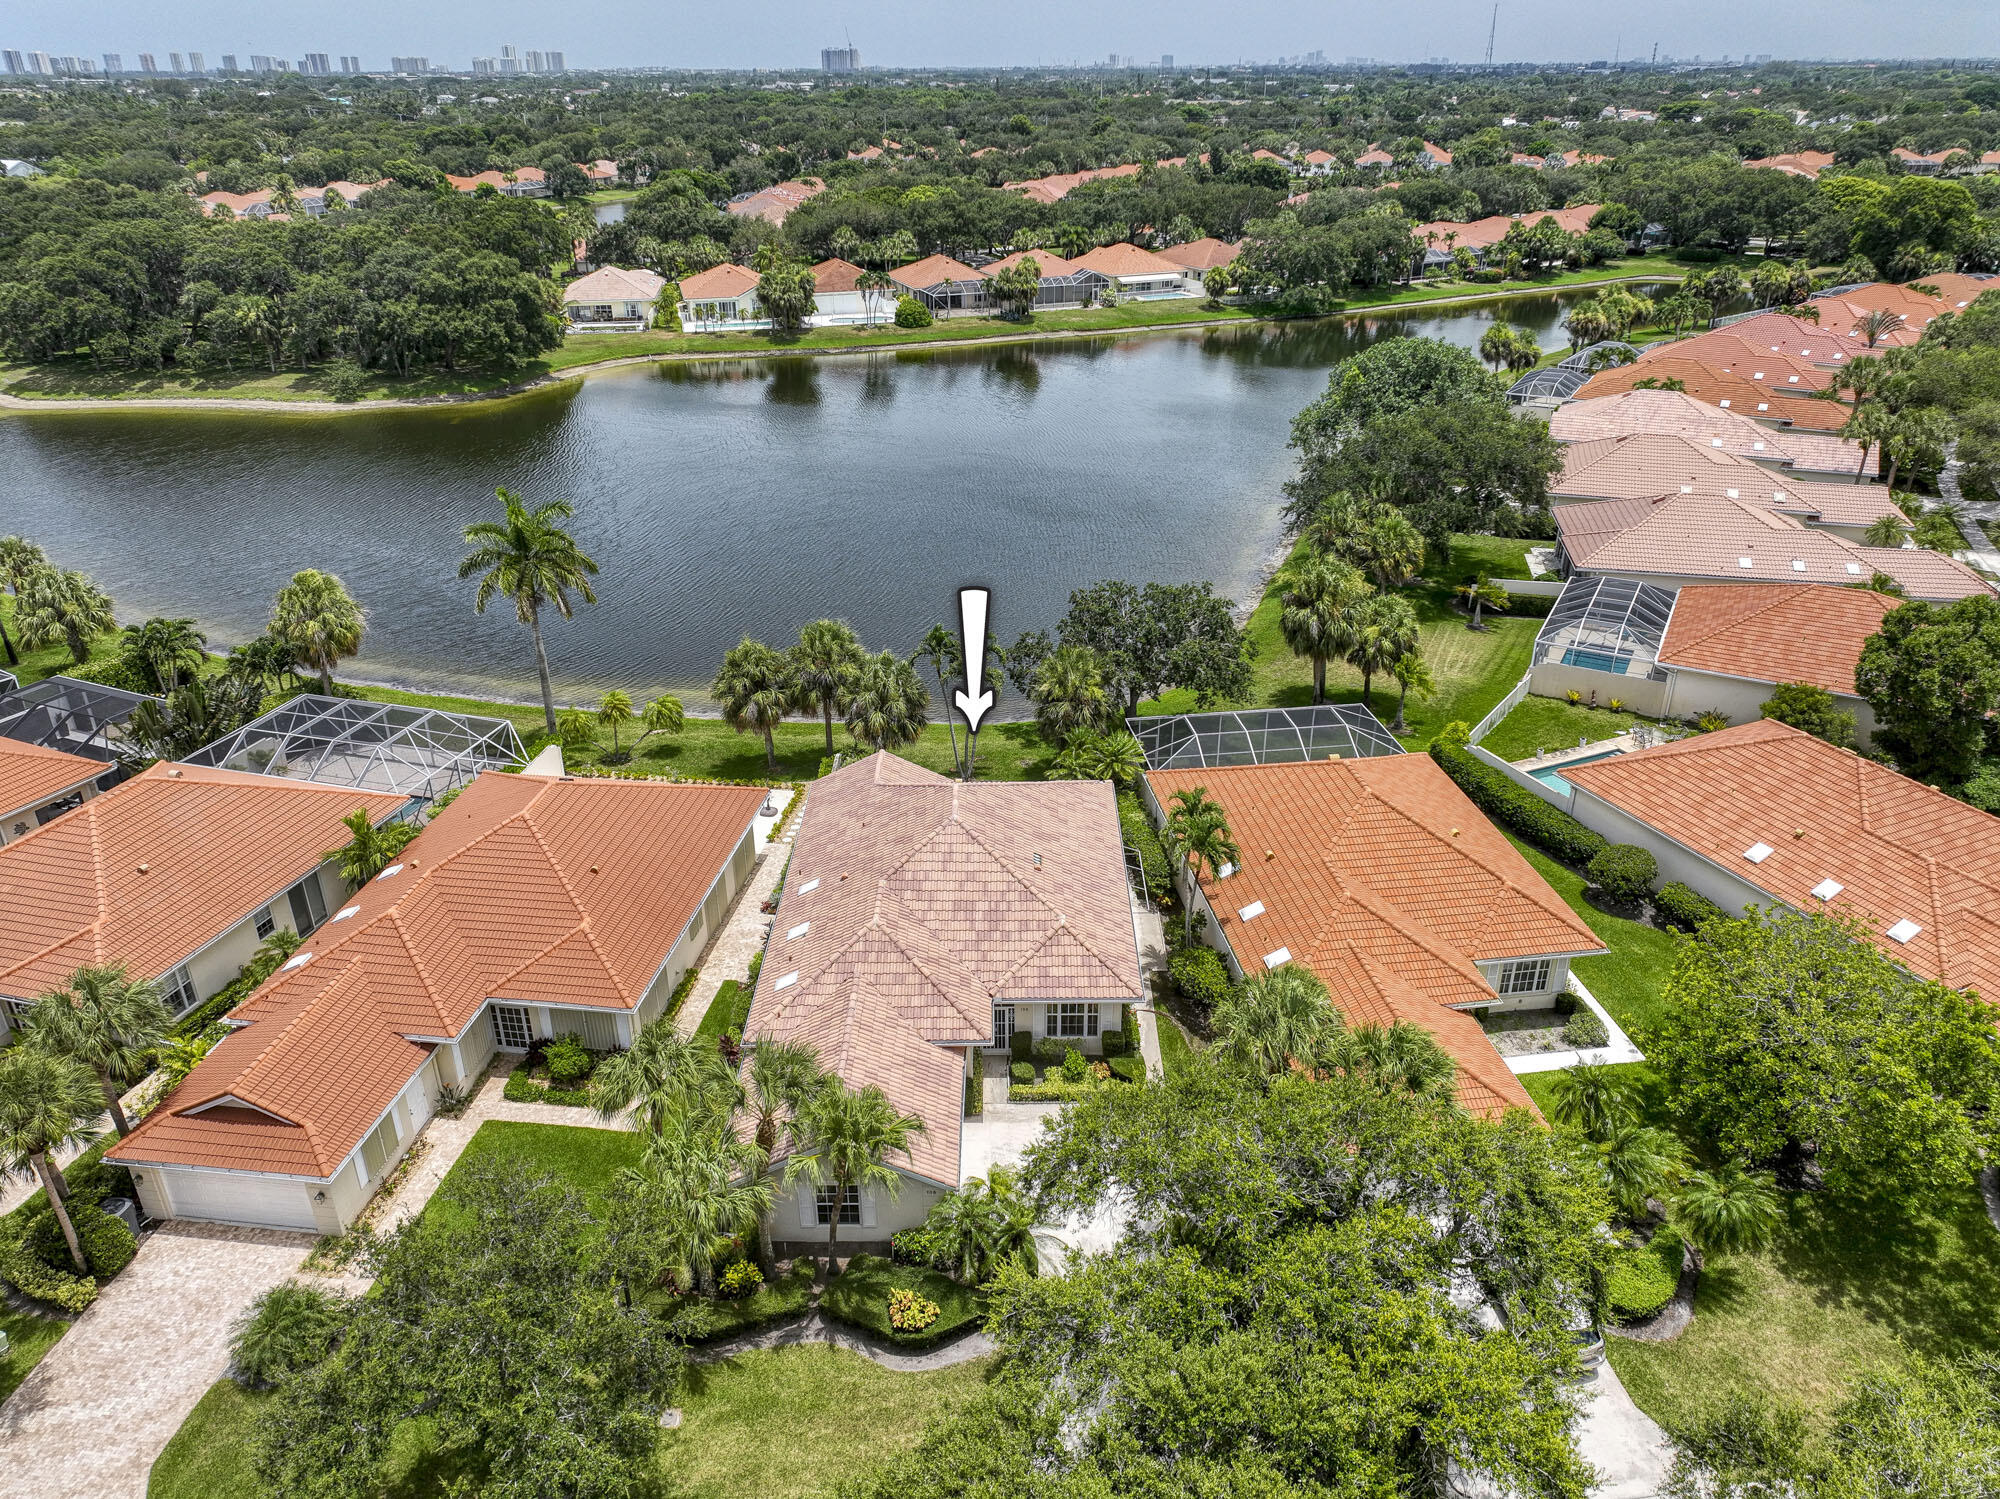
x: 230, y: 1197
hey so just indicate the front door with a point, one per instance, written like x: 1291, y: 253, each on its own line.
x: 1003, y: 1025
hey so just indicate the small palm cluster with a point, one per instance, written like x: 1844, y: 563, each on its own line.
x: 1285, y: 1021
x: 975, y: 1232
x: 576, y: 729
x: 829, y: 672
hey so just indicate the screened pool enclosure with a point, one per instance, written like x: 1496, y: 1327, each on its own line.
x: 1610, y: 625
x: 1261, y: 736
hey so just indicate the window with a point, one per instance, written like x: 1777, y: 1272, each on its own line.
x: 308, y: 905
x: 510, y: 1028
x: 266, y: 923
x: 850, y: 1205
x: 1003, y: 1025
x: 177, y: 989
x: 381, y: 1145
x: 1074, y: 1020
x: 1529, y: 976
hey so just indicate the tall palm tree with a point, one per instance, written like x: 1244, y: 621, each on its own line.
x: 106, y: 1020
x: 1497, y: 345
x: 63, y: 604
x: 1592, y: 1098
x: 888, y: 706
x: 755, y: 689
x: 18, y: 557
x: 1401, y: 1056
x: 614, y: 710
x: 1069, y: 694
x: 781, y: 1076
x: 941, y: 648
x: 318, y: 618
x: 1317, y: 598
x: 528, y: 557
x: 1726, y: 1211
x: 701, y: 1191
x: 827, y: 661
x: 370, y: 849
x: 664, y: 1075
x: 1198, y: 838
x: 1877, y: 324
x: 1392, y: 548
x: 1276, y: 1018
x: 873, y: 284
x: 173, y: 649
x: 1413, y: 674
x: 843, y: 1138
x: 46, y: 1102
x: 1384, y: 631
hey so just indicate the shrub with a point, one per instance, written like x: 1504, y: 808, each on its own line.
x: 1021, y: 1046
x: 1573, y: 697
x: 1132, y: 1069
x: 756, y: 967
x: 453, y: 1100
x: 1685, y: 907
x: 522, y: 1088
x: 1584, y: 1030
x: 922, y: 1246
x: 1051, y: 1090
x: 1624, y: 872
x: 1708, y: 721
x: 1022, y: 1072
x: 1698, y: 254
x: 910, y: 313
x: 1114, y: 1043
x: 1050, y: 1052
x: 287, y: 1330
x: 681, y: 991
x: 1642, y: 1280
x: 1198, y: 974
x: 741, y: 1278
x: 567, y: 1059
x: 20, y: 1269
x: 119, y: 671
x: 108, y: 1245
x: 909, y: 1312
x: 1515, y: 807
x: 344, y: 380
x: 1074, y: 1068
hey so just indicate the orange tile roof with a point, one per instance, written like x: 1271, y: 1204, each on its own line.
x: 1382, y: 877
x: 1125, y: 260
x: 934, y: 270
x: 1672, y: 412
x: 1647, y: 464
x: 1898, y: 849
x: 529, y: 889
x: 1202, y: 254
x: 1046, y: 261
x: 614, y: 283
x: 1807, y: 164
x: 1777, y: 632
x: 723, y: 281
x: 1480, y: 234
x: 1374, y: 156
x: 32, y: 773
x: 776, y: 202
x: 1727, y: 390
x: 495, y: 179
x: 152, y: 871
x: 835, y: 275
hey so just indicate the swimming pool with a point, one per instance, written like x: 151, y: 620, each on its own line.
x: 1551, y: 775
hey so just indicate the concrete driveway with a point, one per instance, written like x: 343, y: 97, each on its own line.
x: 1625, y: 1445
x: 999, y: 1137
x: 89, y: 1421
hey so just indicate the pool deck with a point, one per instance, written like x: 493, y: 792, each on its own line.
x: 1597, y: 749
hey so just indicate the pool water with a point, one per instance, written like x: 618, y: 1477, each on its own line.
x: 1551, y: 775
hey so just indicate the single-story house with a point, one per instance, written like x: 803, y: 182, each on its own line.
x: 840, y: 300
x: 1064, y: 282
x: 1672, y: 412
x: 943, y: 284
x: 726, y: 293
x: 612, y: 300
x: 38, y: 785
x: 1441, y: 237
x: 774, y: 203
x: 1198, y: 257
x: 13, y: 166
x: 310, y: 200
x: 520, y: 182
x: 924, y: 917
x: 1433, y: 158
x: 602, y: 170
x: 1375, y: 157
x: 1771, y: 404
x: 1721, y: 647
x: 1134, y: 272
x: 178, y: 873
x: 1784, y: 819
x: 532, y: 906
x: 1382, y: 877
x: 1806, y: 164
x: 1317, y: 163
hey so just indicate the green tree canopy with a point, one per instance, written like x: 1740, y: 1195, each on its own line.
x: 1932, y: 677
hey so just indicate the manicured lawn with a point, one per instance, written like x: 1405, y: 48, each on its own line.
x: 1627, y: 982
x: 28, y: 1337
x: 791, y: 1423
x: 50, y: 660
x: 209, y: 1457
x: 726, y: 1012
x: 860, y: 1295
x: 587, y: 1159
x: 1539, y: 724
x: 1176, y: 1050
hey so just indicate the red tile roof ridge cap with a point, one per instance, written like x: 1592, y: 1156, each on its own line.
x: 891, y: 926
x: 394, y: 913
x: 1061, y: 926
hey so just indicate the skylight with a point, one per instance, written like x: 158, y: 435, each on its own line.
x: 1763, y: 405
x: 1252, y: 911
x: 1758, y: 446
x: 1715, y: 442
x: 1733, y: 494
x: 1746, y: 561
x: 1723, y: 402
x: 797, y: 931
x: 1798, y: 565
x: 1828, y: 889
x: 1279, y: 958
x: 808, y: 887
x: 1855, y: 568
x: 1225, y: 871
x: 1757, y: 853
x: 346, y: 911
x: 393, y: 869
x: 1904, y: 930
x: 299, y: 961
x: 787, y: 981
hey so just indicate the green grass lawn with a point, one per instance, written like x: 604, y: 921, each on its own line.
x: 209, y: 1457
x: 796, y: 1423
x: 1176, y: 1050
x: 1628, y: 980
x: 860, y: 1295
x: 726, y: 1012
x: 28, y: 1337
x: 587, y: 1159
x: 1539, y: 724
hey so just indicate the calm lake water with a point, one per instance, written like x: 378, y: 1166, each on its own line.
x: 720, y: 498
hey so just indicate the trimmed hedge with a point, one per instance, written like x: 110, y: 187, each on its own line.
x: 39, y: 1282
x: 1514, y: 807
x: 1198, y: 972
x: 1022, y: 1072
x: 681, y: 993
x: 1113, y: 1042
x: 1684, y: 907
x: 523, y: 1089
x: 1021, y: 1047
x: 1643, y: 1280
x: 1584, y: 1030
x: 1624, y: 872
x: 1129, y: 1067
x: 1053, y: 1090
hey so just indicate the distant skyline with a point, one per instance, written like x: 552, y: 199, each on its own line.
x: 788, y: 34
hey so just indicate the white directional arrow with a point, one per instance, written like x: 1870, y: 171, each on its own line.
x: 972, y: 701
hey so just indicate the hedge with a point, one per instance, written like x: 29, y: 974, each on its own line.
x: 523, y: 1089
x: 1682, y: 906
x: 1624, y: 872
x: 1053, y: 1090
x: 20, y: 1269
x: 859, y: 1296
x: 1198, y: 973
x: 681, y: 993
x: 1643, y: 1280
x: 1515, y: 807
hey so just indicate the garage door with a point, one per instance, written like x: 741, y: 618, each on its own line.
x: 228, y: 1197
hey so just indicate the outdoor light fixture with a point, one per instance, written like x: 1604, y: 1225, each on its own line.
x: 320, y: 1196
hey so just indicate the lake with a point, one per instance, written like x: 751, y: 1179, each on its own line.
x: 722, y: 498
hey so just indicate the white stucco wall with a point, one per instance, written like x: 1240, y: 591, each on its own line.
x: 793, y: 1220
x: 1727, y: 890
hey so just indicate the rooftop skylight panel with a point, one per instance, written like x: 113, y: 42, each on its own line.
x: 1798, y: 565
x: 1746, y: 561
x: 1904, y: 930
x: 1733, y: 494
x: 1225, y: 871
x: 1251, y: 912
x: 787, y: 981
x: 346, y: 911
x: 392, y: 870
x: 1757, y: 445
x: 298, y: 960
x: 1757, y: 853
x: 797, y: 931
x: 1855, y: 568
x: 1278, y: 958
x: 809, y: 886
x: 1828, y: 889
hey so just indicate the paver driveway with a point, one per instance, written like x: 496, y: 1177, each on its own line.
x: 89, y: 1421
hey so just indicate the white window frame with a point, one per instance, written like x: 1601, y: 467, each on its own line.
x: 850, y: 1203
x: 177, y: 990
x: 504, y: 1018
x: 1069, y: 1022
x: 267, y: 922
x: 1536, y: 971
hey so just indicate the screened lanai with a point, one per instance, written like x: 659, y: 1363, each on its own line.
x: 417, y: 752
x: 84, y: 718
x: 1610, y: 625
x: 1261, y: 736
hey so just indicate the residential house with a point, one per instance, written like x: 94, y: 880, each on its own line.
x: 13, y: 166
x: 1676, y: 413
x: 922, y: 918
x: 1374, y: 159
x: 1381, y: 877
x: 942, y: 284
x: 178, y: 873
x: 612, y: 300
x: 1441, y: 237
x: 533, y: 906
x: 1748, y: 393
x: 773, y: 204
x: 38, y: 785
x: 1318, y: 163
x: 601, y: 172
x: 1054, y: 188
x: 1433, y: 158
x: 1917, y: 163
x: 519, y: 182
x: 1064, y: 282
x: 1628, y: 116
x: 1806, y: 164
x: 1198, y: 257
x: 1133, y: 272
x: 1785, y: 819
x: 840, y: 301
x: 725, y: 294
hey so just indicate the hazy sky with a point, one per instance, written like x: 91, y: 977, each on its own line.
x: 900, y: 33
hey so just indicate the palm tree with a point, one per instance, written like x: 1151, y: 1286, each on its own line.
x: 1592, y: 1098
x: 528, y: 557
x: 1384, y: 631
x: 1116, y: 757
x: 826, y: 662
x: 985, y: 1224
x: 1478, y: 594
x: 371, y: 850
x: 662, y: 1076
x: 1886, y: 531
x: 1069, y: 694
x: 18, y: 558
x: 1413, y: 674
x: 872, y: 284
x: 888, y: 706
x: 317, y: 617
x: 1399, y: 1056
x: 1280, y: 1017
x: 576, y: 729
x: 1012, y: 1222
x: 941, y: 648
x: 1727, y: 1211
x: 755, y: 689
x: 1390, y: 547
x: 701, y: 1191
x: 47, y: 1102
x: 1318, y: 595
x: 1499, y: 344
x: 613, y: 710
x: 781, y: 1076
x: 171, y: 648
x: 1637, y: 1162
x: 1198, y: 838
x: 663, y: 715
x: 1877, y: 324
x: 63, y: 604
x: 106, y: 1020
x: 843, y: 1138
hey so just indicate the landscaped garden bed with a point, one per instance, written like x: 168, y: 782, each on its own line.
x: 555, y: 1071
x: 788, y: 1295
x: 861, y: 1297
x: 1568, y: 1025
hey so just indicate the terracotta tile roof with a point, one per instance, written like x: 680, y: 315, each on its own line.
x: 1125, y: 260
x: 1781, y: 333
x: 1046, y: 261
x: 1053, y: 189
x: 1731, y: 353
x: 1318, y: 158
x: 776, y: 202
x: 723, y: 281
x: 613, y: 283
x: 1481, y: 234
x: 526, y: 888
x: 495, y: 179
x: 1438, y: 154
x: 1898, y: 849
x: 836, y: 275
x: 928, y: 899
x: 1807, y: 164
x: 1730, y: 390
x: 1841, y: 313
x: 236, y: 203
x: 1384, y: 879
x: 1778, y: 632
x: 1646, y: 465
x: 155, y: 869
x: 1202, y: 254
x: 1374, y: 156
x: 31, y: 773
x: 934, y: 270
x: 1671, y: 412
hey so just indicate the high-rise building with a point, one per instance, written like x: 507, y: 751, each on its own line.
x: 535, y: 61
x: 409, y: 64
x: 349, y: 64
x: 260, y: 63
x: 485, y: 67
x: 229, y: 62
x: 839, y: 59
x: 196, y: 63
x: 1166, y: 59
x: 15, y: 62
x: 174, y: 63
x: 316, y: 64
x: 552, y: 62
x: 40, y: 65
x: 146, y: 63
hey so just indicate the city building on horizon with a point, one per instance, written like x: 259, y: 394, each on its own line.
x: 114, y: 62
x: 146, y: 63
x: 174, y: 63
x: 349, y: 64
x: 229, y: 62
x: 840, y: 59
x: 197, y: 63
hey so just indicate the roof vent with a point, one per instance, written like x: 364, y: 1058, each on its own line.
x: 1746, y: 561
x: 1828, y: 889
x: 1278, y: 958
x: 1757, y: 853
x: 393, y: 869
x: 174, y: 774
x: 809, y: 886
x: 1252, y: 911
x: 787, y: 981
x: 797, y: 931
x: 299, y: 960
x: 1038, y: 861
x: 346, y: 911
x: 144, y: 867
x: 1798, y: 565
x: 1225, y: 871
x: 1904, y: 930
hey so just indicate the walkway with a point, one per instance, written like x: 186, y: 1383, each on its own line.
x: 98, y: 1409
x: 744, y: 931
x: 1153, y: 956
x: 816, y: 1328
x: 1618, y: 1048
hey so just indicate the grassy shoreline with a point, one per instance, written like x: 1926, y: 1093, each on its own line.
x: 74, y: 386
